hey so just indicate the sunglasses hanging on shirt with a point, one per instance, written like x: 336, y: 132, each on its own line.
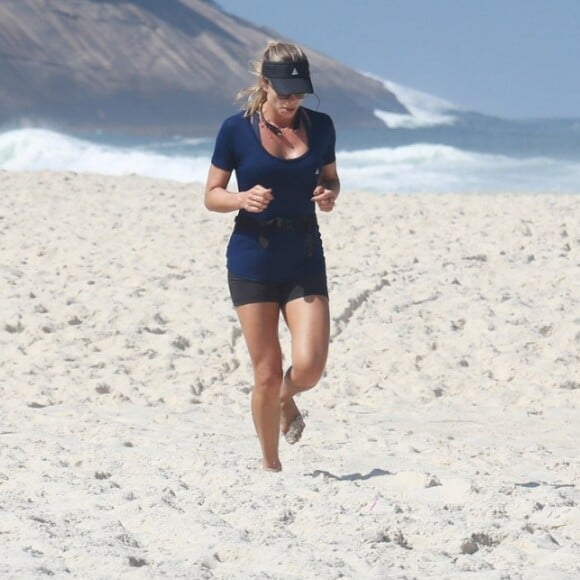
x: 276, y: 130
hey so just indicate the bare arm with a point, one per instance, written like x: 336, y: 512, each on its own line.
x: 218, y: 198
x: 328, y: 188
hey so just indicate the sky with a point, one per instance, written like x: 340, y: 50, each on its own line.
x: 509, y: 58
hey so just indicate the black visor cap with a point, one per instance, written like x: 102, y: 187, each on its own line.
x: 288, y: 78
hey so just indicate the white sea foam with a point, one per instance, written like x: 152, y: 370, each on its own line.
x: 38, y: 149
x: 405, y: 169
x: 440, y: 168
x: 425, y: 110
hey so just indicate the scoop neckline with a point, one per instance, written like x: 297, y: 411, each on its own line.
x: 260, y: 144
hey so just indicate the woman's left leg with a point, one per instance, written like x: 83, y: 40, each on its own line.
x: 308, y: 321
x: 259, y: 323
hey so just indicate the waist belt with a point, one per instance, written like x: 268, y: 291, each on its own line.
x: 306, y: 224
x: 301, y: 224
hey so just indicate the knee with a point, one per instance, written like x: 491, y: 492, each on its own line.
x: 268, y: 379
x: 307, y: 372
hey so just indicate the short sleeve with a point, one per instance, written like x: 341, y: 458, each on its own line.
x: 329, y: 155
x: 223, y: 153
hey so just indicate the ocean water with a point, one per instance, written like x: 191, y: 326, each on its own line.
x: 438, y: 148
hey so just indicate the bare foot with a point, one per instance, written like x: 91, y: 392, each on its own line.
x: 288, y: 412
x: 275, y: 467
x: 291, y: 428
x: 291, y: 421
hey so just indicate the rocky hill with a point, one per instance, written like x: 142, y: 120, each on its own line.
x: 148, y: 67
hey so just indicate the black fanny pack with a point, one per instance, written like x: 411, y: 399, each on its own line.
x: 301, y: 224
x: 306, y: 224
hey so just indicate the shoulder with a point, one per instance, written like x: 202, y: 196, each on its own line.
x: 318, y: 118
x: 234, y: 121
x: 231, y: 130
x: 320, y: 123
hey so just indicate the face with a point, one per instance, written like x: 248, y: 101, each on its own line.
x: 282, y: 105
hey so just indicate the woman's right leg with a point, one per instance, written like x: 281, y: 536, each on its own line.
x: 259, y: 323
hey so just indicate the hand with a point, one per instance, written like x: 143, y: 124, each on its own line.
x: 324, y: 198
x: 257, y: 199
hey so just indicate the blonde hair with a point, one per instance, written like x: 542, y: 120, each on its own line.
x: 276, y: 51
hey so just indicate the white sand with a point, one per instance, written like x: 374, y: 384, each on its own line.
x: 443, y: 439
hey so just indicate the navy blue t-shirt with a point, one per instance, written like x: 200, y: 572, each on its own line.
x: 288, y: 255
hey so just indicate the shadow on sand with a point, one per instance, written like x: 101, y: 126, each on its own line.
x: 351, y: 476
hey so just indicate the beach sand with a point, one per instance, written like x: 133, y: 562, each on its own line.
x: 442, y: 441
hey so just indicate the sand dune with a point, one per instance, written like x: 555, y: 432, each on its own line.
x: 442, y: 440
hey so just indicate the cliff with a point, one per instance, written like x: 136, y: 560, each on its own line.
x: 148, y: 67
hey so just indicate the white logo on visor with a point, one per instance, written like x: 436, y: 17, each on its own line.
x: 295, y: 72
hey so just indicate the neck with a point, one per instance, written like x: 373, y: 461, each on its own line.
x: 276, y: 127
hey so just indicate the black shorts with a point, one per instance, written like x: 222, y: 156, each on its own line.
x: 249, y: 292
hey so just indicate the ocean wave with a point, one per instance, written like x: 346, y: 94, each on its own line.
x: 39, y: 149
x: 441, y: 168
x: 405, y: 169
